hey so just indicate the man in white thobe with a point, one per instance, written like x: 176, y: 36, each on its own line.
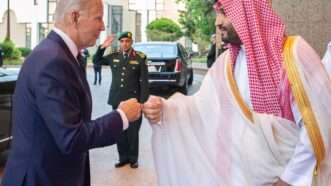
x: 257, y: 119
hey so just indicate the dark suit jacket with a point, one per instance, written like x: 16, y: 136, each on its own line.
x: 129, y: 77
x: 52, y: 126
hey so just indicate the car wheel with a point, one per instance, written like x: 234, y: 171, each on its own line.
x: 183, y: 89
x: 190, y: 80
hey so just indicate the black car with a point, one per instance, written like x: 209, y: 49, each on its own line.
x: 169, y: 64
x: 8, y: 79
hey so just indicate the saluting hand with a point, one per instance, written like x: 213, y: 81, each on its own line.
x: 131, y: 108
x: 108, y: 41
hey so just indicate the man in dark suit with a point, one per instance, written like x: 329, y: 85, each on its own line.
x: 211, y: 56
x: 52, y: 126
x: 97, y: 67
x: 129, y: 79
x: 85, y: 54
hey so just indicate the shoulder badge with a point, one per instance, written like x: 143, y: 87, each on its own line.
x: 142, y: 55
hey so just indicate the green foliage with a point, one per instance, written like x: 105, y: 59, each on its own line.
x: 163, y: 29
x: 201, y: 59
x: 198, y: 20
x: 9, y: 50
x: 24, y: 51
x: 13, y: 62
x: 16, y: 54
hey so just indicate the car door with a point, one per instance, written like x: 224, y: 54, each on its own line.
x: 186, y: 62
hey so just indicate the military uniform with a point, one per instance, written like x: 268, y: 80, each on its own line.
x: 129, y: 80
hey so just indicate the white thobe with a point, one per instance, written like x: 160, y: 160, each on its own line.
x: 299, y: 170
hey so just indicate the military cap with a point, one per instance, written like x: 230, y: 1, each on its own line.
x: 125, y: 35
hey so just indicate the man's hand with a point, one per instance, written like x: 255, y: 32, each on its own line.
x: 153, y: 108
x: 131, y: 109
x: 280, y: 183
x: 108, y: 41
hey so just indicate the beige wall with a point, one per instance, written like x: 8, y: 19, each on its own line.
x: 308, y: 18
x: 170, y: 10
x: 129, y: 17
x: 17, y: 30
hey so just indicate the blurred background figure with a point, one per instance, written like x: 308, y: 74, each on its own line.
x: 212, y: 51
x: 97, y: 67
x: 85, y: 54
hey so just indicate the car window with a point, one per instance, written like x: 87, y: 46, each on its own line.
x: 157, y: 50
x: 2, y: 73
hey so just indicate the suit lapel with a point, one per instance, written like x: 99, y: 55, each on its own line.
x: 81, y: 76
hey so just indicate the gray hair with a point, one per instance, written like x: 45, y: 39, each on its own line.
x: 65, y: 6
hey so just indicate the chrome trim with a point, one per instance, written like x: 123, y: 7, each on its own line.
x: 162, y: 80
x: 6, y: 139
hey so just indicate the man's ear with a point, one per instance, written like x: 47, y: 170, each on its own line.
x: 74, y: 16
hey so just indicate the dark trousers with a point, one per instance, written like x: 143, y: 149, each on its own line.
x: 96, y: 74
x: 128, y: 143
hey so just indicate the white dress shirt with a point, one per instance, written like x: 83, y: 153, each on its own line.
x: 74, y: 51
x: 299, y: 170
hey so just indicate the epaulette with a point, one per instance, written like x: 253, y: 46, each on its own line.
x: 142, y: 55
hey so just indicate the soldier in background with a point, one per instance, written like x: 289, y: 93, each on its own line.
x: 211, y: 56
x: 129, y: 80
x: 214, y: 51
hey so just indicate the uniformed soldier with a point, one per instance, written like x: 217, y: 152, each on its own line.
x: 129, y: 80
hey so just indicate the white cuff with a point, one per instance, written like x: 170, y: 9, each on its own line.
x: 291, y: 178
x: 124, y: 119
x: 299, y: 171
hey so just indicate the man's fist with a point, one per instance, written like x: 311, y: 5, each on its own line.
x: 280, y: 183
x: 153, y: 109
x: 108, y: 41
x: 131, y: 108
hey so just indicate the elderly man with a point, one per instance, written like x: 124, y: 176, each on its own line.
x: 261, y: 116
x: 53, y: 130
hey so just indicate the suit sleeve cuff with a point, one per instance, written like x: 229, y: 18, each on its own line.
x: 124, y: 119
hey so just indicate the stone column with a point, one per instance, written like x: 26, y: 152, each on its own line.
x: 309, y: 18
